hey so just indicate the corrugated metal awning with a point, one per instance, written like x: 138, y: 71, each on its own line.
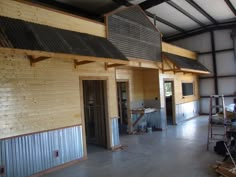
x: 184, y: 64
x: 19, y: 36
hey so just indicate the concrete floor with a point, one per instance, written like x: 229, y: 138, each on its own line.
x: 180, y: 151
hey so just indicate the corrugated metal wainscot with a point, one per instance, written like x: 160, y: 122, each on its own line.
x: 156, y: 120
x: 186, y: 111
x: 26, y: 155
x: 115, y: 141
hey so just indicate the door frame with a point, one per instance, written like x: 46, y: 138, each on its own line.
x: 106, y: 90
x: 173, y: 99
x: 128, y: 102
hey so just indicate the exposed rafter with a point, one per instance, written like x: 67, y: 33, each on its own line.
x: 70, y: 9
x: 151, y: 3
x: 203, y: 12
x: 224, y: 25
x: 164, y: 22
x: 180, y: 9
x: 123, y: 2
x: 230, y: 5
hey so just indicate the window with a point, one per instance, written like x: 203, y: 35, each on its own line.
x: 187, y: 88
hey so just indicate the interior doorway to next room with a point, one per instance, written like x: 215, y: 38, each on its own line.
x: 123, y: 106
x: 169, y: 102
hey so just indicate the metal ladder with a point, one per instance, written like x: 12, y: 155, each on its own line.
x: 213, y: 126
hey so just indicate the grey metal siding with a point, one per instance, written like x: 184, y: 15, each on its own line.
x: 134, y: 35
x: 156, y: 119
x: 26, y: 155
x: 186, y: 111
x: 115, y: 132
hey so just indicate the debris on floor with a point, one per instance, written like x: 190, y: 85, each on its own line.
x: 122, y: 147
x: 225, y: 169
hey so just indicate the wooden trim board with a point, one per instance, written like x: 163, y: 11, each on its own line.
x: 37, y: 53
x: 169, y: 48
x: 50, y: 170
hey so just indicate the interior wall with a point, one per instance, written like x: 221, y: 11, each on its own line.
x: 178, y: 78
x: 224, y: 75
x: 185, y: 107
x: 151, y: 88
x: 46, y: 96
x: 135, y: 79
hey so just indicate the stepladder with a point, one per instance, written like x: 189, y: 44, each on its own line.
x: 218, y: 123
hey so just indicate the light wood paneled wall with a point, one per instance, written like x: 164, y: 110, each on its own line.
x: 46, y: 96
x: 46, y: 16
x: 151, y: 84
x: 178, y: 78
x: 143, y: 83
x: 173, y: 49
x: 135, y: 78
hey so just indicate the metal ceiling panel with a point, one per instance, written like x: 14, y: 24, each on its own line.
x: 234, y: 3
x: 190, y: 9
x: 172, y: 15
x: 136, y: 1
x: 164, y: 29
x: 218, y: 9
x: 92, y: 6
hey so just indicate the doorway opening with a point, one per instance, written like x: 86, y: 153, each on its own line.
x: 123, y: 106
x: 95, y: 113
x: 169, y: 102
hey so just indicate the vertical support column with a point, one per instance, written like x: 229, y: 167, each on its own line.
x: 214, y: 66
x: 155, y: 20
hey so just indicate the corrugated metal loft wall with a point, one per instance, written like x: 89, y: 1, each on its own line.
x: 134, y: 35
x: 26, y: 155
x: 225, y: 70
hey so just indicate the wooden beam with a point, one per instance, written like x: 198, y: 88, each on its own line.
x: 34, y: 59
x: 76, y: 63
x: 112, y: 65
x: 168, y: 63
x: 60, y: 55
x: 172, y: 49
x: 194, y: 71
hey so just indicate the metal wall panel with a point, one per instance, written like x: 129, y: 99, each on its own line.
x: 204, y: 105
x: 134, y: 35
x: 186, y: 110
x: 229, y: 100
x: 226, y: 64
x: 199, y: 43
x: 26, y: 155
x: 156, y: 120
x: 223, y: 39
x: 206, y: 60
x: 206, y: 87
x: 115, y: 137
x: 227, y: 86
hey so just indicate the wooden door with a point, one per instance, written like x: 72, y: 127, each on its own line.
x: 95, y: 111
